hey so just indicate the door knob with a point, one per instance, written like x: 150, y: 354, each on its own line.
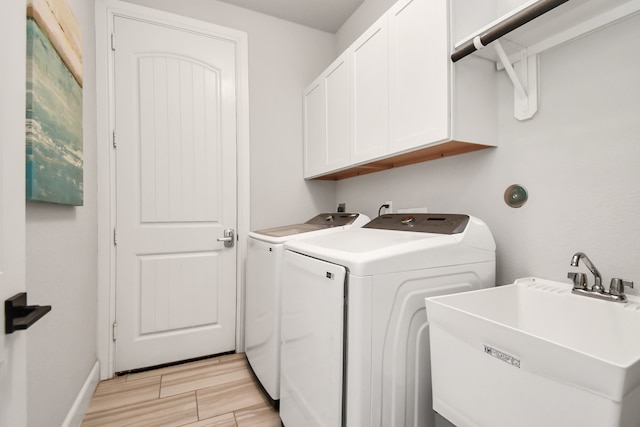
x: 229, y: 238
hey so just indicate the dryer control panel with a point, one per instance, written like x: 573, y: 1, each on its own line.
x: 421, y: 223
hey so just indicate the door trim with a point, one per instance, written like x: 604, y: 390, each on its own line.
x: 13, y: 348
x: 104, y: 14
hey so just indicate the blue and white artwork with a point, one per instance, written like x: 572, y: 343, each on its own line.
x: 53, y: 124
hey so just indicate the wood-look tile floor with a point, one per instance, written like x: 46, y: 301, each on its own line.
x: 216, y: 392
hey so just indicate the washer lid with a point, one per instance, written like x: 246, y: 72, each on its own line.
x: 321, y: 221
x: 289, y: 230
x: 369, y: 250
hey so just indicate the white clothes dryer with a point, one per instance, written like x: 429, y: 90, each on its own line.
x: 262, y: 290
x: 355, y: 337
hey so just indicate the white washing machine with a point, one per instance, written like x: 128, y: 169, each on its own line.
x: 262, y: 289
x: 355, y: 337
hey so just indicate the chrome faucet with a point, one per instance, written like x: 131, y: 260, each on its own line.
x: 597, y: 286
x: 581, y: 286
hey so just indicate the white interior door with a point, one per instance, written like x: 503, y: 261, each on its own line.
x: 13, y: 377
x: 175, y: 127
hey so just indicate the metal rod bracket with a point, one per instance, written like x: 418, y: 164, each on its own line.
x: 524, y: 77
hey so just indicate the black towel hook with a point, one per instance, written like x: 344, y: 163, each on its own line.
x: 18, y: 315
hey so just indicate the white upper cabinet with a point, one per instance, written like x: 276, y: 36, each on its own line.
x: 327, y: 126
x: 315, y: 129
x: 418, y: 67
x: 370, y: 93
x: 405, y: 101
x: 338, y: 113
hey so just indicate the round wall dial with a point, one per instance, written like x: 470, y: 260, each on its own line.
x: 515, y: 195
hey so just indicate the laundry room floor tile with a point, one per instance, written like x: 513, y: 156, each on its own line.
x: 203, y: 377
x: 172, y: 411
x: 228, y: 397
x: 261, y: 415
x: 226, y: 420
x: 215, y: 392
x: 118, y: 392
x: 206, y: 363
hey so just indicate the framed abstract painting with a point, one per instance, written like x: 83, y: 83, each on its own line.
x: 54, y: 104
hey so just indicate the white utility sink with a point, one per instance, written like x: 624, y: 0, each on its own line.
x: 534, y: 354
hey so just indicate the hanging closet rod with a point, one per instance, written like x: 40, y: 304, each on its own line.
x: 516, y: 21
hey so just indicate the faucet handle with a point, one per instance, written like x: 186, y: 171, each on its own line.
x: 579, y: 280
x: 617, y: 286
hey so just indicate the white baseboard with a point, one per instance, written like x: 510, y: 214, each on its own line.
x: 79, y: 407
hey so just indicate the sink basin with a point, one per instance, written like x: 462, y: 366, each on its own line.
x: 534, y: 354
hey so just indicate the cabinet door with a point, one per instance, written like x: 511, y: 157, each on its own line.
x: 315, y: 131
x: 327, y: 116
x: 419, y: 73
x: 338, y: 86
x: 370, y: 93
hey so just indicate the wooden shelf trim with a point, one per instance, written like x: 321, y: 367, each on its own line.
x: 433, y: 152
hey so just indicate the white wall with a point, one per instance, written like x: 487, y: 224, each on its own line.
x: 283, y: 58
x: 360, y: 20
x: 62, y: 272
x: 578, y: 158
